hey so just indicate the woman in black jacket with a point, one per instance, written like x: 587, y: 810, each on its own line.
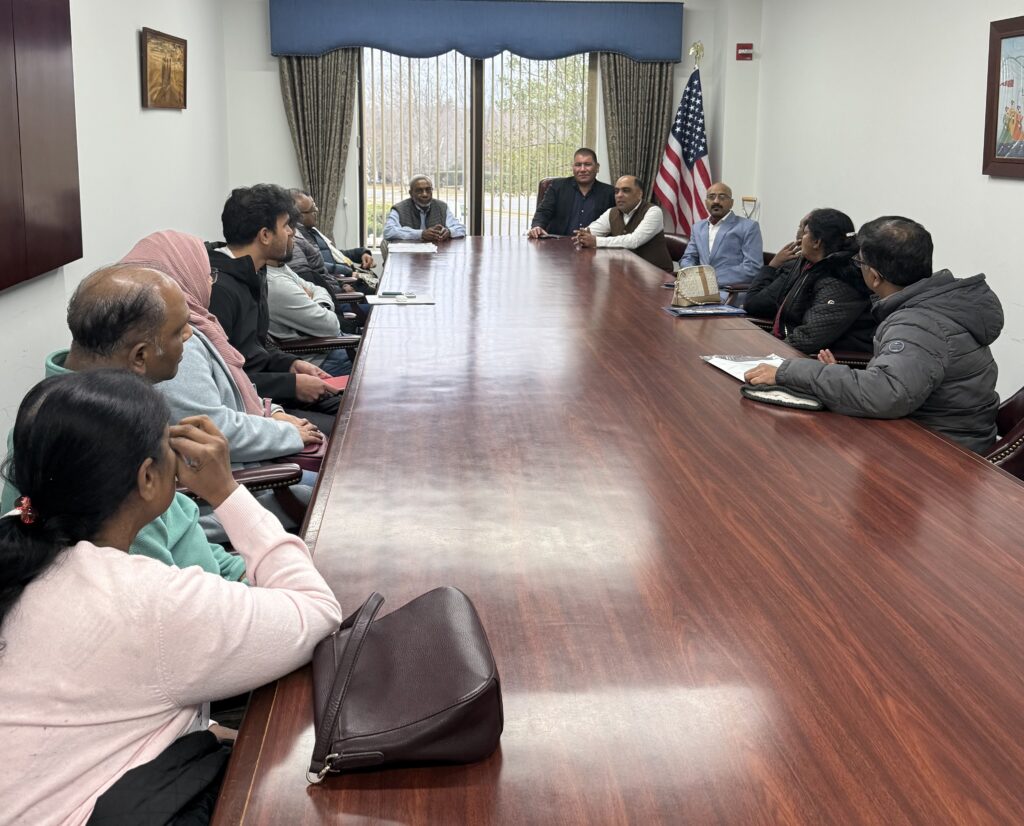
x: 812, y: 292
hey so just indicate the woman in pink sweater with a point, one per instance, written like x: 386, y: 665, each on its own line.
x: 106, y: 658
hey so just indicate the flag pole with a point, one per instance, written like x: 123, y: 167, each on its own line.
x: 697, y: 53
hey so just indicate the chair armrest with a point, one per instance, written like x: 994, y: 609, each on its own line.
x: 852, y: 358
x: 764, y: 323
x: 343, y: 296
x: 318, y: 345
x: 734, y: 295
x: 264, y: 477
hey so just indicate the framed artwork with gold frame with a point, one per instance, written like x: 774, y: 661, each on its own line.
x: 164, y: 64
x: 1004, y: 100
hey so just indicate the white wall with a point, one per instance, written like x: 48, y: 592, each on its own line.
x: 259, y: 145
x: 140, y: 170
x: 878, y: 108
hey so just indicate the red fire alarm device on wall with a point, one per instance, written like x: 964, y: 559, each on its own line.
x: 744, y: 51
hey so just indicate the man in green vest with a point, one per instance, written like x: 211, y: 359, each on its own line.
x: 632, y: 224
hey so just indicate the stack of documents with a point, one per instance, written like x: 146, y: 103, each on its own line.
x: 412, y: 246
x: 736, y: 366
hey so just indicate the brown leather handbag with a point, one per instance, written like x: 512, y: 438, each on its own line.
x: 418, y: 685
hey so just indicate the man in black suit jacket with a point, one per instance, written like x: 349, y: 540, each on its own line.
x: 574, y: 202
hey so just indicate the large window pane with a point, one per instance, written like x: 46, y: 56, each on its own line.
x: 416, y: 118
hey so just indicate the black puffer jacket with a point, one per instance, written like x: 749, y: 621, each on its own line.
x: 825, y: 304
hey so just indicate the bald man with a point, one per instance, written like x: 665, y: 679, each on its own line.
x: 131, y: 317
x: 632, y: 224
x: 730, y: 244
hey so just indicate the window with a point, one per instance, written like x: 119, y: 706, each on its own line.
x: 418, y: 116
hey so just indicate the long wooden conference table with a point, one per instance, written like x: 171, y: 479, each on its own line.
x: 704, y: 610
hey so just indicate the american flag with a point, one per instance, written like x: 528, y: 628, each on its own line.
x: 683, y: 178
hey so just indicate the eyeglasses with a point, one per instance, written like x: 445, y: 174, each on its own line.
x: 309, y: 211
x: 859, y: 262
x: 718, y: 196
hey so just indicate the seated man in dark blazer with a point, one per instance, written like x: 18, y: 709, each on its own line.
x: 574, y: 202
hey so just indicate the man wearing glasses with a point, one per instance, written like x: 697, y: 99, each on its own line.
x: 931, y: 360
x: 319, y: 246
x: 723, y: 240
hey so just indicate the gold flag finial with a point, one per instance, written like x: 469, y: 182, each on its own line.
x: 697, y: 53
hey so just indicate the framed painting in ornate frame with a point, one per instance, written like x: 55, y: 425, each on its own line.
x: 164, y: 61
x: 1004, y: 100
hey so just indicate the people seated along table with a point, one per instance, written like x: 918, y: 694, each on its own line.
x: 725, y: 241
x: 632, y: 224
x: 574, y: 202
x: 931, y: 360
x: 421, y: 217
x: 131, y: 317
x: 210, y: 379
x: 812, y: 292
x: 108, y: 658
x: 258, y: 227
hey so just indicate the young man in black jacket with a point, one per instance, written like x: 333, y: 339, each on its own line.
x: 258, y: 227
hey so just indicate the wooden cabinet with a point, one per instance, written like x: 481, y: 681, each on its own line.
x: 39, y: 195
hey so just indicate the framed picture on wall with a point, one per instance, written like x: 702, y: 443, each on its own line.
x: 164, y: 63
x: 1004, y: 107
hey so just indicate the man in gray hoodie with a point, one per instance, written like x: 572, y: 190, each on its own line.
x: 931, y: 360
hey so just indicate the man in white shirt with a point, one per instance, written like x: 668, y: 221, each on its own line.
x: 632, y: 224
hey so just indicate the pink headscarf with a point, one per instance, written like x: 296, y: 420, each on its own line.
x: 183, y: 257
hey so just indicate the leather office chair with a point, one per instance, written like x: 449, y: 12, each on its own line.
x: 273, y: 477
x: 542, y: 188
x: 1008, y: 451
x: 676, y: 245
x: 322, y: 344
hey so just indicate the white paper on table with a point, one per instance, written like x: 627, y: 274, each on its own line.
x: 411, y: 246
x: 736, y: 366
x: 394, y: 299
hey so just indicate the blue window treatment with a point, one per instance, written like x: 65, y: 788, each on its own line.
x: 478, y: 28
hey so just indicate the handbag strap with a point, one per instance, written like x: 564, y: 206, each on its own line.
x: 359, y: 622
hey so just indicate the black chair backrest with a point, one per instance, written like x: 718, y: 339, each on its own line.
x: 676, y: 245
x: 542, y: 187
x: 1011, y: 413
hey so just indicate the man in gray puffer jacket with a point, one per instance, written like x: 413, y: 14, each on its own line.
x: 931, y: 358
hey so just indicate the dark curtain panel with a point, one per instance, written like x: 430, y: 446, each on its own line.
x: 319, y: 95
x: 638, y: 112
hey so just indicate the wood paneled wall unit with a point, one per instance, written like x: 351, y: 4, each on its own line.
x: 39, y: 197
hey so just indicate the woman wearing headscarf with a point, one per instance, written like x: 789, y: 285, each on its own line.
x: 811, y: 290
x: 210, y: 379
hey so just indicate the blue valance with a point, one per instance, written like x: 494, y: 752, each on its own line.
x: 478, y: 28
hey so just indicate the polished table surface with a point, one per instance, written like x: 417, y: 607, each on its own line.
x: 703, y: 610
